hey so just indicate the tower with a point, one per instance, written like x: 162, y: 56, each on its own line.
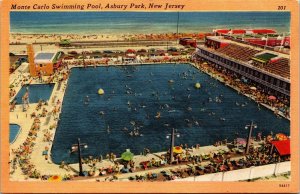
x: 30, y: 53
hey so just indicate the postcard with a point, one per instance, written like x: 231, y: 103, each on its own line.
x: 147, y: 96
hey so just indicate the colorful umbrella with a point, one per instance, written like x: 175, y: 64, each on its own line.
x: 55, y: 178
x: 127, y: 156
x: 130, y: 51
x: 281, y: 137
x: 241, y: 141
x: 177, y: 150
x: 166, y: 58
x: 272, y: 98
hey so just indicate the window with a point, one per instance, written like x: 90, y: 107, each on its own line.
x: 280, y: 83
x: 269, y: 79
x: 288, y: 87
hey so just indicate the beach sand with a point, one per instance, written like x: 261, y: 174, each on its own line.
x: 17, y: 38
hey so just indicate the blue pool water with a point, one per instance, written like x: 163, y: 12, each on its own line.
x: 13, y: 132
x: 134, y: 95
x: 36, y: 92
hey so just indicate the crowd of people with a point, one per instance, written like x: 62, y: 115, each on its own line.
x: 198, y: 164
x: 118, y: 61
x: 22, y: 155
x: 187, y: 164
x: 279, y: 104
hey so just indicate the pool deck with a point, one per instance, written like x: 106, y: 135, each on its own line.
x: 47, y: 167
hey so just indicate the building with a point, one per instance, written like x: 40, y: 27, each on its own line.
x: 265, y: 69
x: 262, y: 37
x: 188, y: 42
x: 44, y: 62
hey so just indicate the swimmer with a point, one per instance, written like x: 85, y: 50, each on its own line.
x: 132, y: 123
x: 157, y: 115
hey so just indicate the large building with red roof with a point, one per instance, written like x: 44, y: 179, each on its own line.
x: 263, y: 37
x: 268, y: 70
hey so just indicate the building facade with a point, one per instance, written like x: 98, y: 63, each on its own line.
x: 273, y: 76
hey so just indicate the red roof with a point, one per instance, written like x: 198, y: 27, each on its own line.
x: 222, y: 31
x: 238, y: 31
x: 283, y: 147
x: 263, y: 31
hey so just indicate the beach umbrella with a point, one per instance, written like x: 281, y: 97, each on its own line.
x: 173, y: 49
x: 107, y: 52
x: 272, y: 98
x: 241, y: 141
x: 127, y: 156
x: 130, y: 51
x: 177, y: 150
x: 281, y: 137
x: 65, y: 42
x: 55, y: 178
x: 97, y: 52
x: 142, y: 50
x: 166, y: 58
x: 152, y: 50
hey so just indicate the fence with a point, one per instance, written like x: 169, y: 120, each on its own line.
x: 244, y: 174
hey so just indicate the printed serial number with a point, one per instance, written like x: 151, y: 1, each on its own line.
x: 284, y: 185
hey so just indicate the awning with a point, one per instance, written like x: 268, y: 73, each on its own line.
x: 283, y: 147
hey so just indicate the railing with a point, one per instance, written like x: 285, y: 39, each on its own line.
x: 246, y: 65
x: 253, y: 172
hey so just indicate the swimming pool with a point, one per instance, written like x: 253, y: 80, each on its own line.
x: 14, y: 130
x: 36, y: 92
x: 134, y: 95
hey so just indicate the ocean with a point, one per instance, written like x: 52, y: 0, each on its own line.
x: 143, y: 22
x: 134, y: 95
